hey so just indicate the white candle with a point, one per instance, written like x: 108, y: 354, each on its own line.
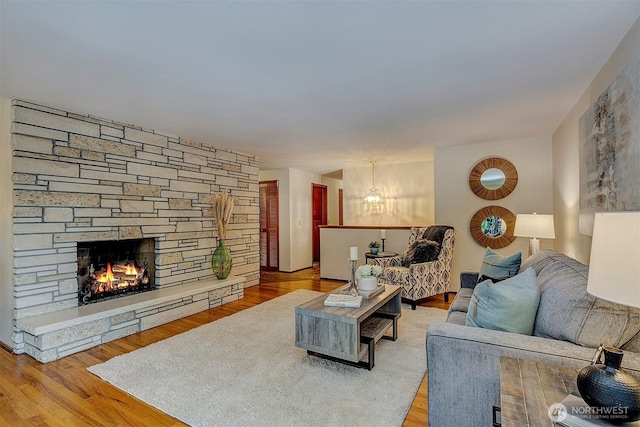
x: 383, y: 234
x: 353, y: 253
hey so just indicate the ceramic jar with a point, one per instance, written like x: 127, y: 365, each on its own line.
x: 608, y: 388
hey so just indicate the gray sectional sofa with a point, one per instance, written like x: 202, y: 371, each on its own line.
x: 464, y: 362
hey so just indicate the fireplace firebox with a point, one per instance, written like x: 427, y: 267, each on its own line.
x: 111, y: 269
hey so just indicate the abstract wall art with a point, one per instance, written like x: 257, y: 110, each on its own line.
x: 610, y: 149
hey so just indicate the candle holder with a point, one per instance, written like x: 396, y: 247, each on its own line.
x: 353, y: 287
x: 383, y: 239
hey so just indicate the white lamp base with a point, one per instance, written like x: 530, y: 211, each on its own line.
x: 534, y: 246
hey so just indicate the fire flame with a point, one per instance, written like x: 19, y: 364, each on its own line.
x: 131, y: 269
x: 106, y: 277
x: 125, y: 276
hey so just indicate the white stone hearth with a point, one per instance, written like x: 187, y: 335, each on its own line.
x: 51, y: 336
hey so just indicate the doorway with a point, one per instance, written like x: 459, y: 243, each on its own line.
x: 319, y: 209
x: 269, y: 245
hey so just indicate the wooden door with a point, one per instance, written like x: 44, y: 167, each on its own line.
x: 319, y: 209
x: 269, y: 247
x: 340, y: 207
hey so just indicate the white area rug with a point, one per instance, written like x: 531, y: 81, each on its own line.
x: 245, y: 370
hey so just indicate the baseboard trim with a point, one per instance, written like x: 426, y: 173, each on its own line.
x: 6, y: 348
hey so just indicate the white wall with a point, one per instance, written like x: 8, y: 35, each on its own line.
x: 566, y: 166
x: 6, y: 241
x: 408, y: 189
x: 456, y: 203
x: 301, y: 243
x: 295, y: 220
x: 333, y: 211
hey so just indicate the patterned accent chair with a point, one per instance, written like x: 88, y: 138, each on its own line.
x: 422, y: 280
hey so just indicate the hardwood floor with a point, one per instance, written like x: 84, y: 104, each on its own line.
x: 63, y: 393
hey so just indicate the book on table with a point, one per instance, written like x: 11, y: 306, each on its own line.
x: 342, y: 300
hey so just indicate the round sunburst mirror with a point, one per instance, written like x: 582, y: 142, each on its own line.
x: 493, y: 178
x: 492, y: 227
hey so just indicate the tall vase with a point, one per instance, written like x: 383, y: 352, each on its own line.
x: 221, y: 262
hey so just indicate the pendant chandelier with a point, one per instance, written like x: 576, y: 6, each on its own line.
x: 373, y: 197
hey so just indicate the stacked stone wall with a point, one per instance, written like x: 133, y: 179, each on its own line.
x: 81, y: 178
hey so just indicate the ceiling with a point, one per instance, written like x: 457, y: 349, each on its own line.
x: 316, y: 85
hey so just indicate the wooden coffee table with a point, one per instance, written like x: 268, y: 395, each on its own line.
x: 348, y: 335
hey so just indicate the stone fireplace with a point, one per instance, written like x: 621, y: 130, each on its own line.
x: 78, y: 179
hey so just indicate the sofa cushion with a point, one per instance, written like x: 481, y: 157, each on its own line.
x: 484, y: 277
x: 633, y: 344
x: 422, y: 250
x: 461, y: 302
x: 567, y: 312
x: 541, y: 259
x: 497, y: 266
x: 509, y: 305
x: 414, y: 234
x: 457, y: 318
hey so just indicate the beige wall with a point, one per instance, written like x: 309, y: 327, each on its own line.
x: 566, y: 166
x: 408, y: 189
x: 456, y: 204
x: 406, y: 203
x: 6, y: 241
x: 333, y: 185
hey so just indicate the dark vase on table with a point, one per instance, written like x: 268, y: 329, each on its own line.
x: 607, y: 388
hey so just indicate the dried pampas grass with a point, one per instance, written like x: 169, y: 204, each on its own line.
x: 222, y: 209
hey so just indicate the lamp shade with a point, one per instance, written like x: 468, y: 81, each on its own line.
x: 534, y: 225
x: 614, y: 267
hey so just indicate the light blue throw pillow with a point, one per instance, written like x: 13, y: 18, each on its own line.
x: 498, y: 266
x: 509, y: 305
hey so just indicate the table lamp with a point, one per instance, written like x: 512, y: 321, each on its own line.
x: 614, y: 275
x: 535, y: 226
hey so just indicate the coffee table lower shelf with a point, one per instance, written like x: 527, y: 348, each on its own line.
x: 371, y: 331
x: 348, y: 335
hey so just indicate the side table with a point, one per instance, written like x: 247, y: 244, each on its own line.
x: 528, y: 388
x: 369, y: 255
